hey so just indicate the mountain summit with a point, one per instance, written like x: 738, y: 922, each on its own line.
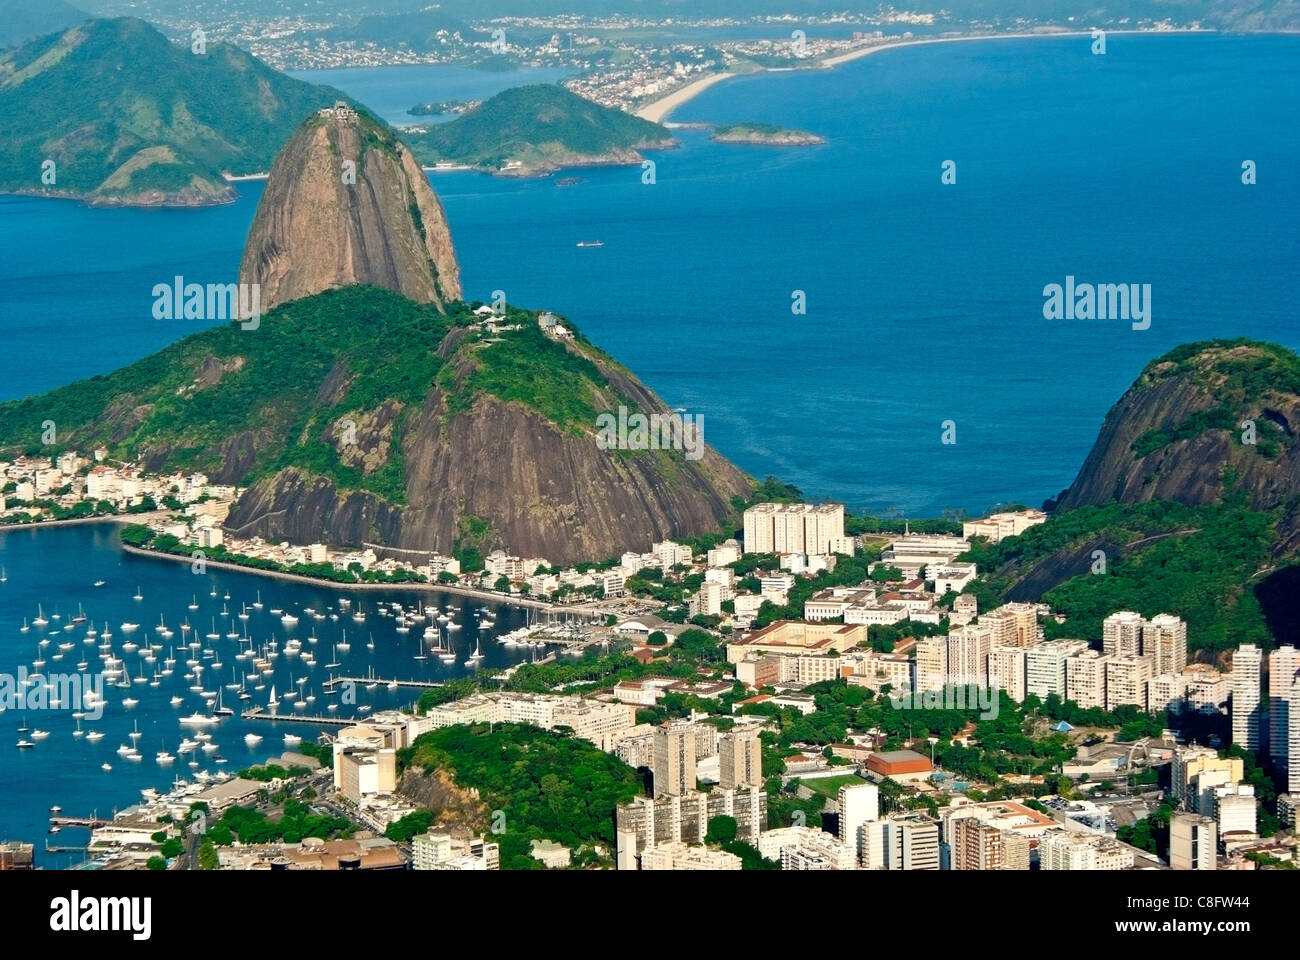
x: 1201, y: 422
x: 347, y: 204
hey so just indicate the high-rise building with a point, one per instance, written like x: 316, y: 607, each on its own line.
x: 1283, y: 666
x: 740, y: 758
x: 931, y: 663
x: 911, y: 842
x: 976, y: 845
x: 1164, y: 643
x: 1121, y: 634
x: 1013, y: 624
x: 1085, y: 679
x: 674, y: 765
x: 1045, y: 666
x: 1247, y: 663
x: 968, y: 655
x: 794, y: 528
x: 1126, y: 682
x: 1192, y: 840
x: 1007, y: 671
x: 859, y: 804
x: 1293, y: 739
x: 1190, y: 762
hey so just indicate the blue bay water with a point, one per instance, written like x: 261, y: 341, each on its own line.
x: 57, y: 568
x: 924, y: 301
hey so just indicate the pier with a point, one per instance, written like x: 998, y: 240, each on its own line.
x: 90, y: 822
x: 409, y: 684
x: 260, y: 713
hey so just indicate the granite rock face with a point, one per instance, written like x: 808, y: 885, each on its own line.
x: 346, y: 203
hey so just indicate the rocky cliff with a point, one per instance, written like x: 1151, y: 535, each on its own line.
x: 346, y: 204
x: 1204, y: 421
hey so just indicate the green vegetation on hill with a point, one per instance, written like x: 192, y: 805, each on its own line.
x: 189, y: 397
x: 1197, y: 562
x: 542, y: 127
x: 547, y: 785
x: 122, y: 111
x: 377, y: 351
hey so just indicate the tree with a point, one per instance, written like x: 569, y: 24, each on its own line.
x: 172, y: 848
x: 502, y: 584
x: 657, y: 639
x: 156, y: 863
x: 208, y: 859
x: 722, y: 830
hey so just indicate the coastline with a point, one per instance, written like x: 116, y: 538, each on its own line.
x: 485, y: 595
x: 658, y: 110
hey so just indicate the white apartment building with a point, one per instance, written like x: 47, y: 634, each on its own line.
x: 1045, y: 666
x: 1121, y: 634
x: 1126, y: 681
x: 1085, y: 679
x: 1247, y: 670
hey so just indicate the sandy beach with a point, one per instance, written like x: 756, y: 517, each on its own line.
x: 658, y: 110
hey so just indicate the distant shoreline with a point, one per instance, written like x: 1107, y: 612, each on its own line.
x: 658, y: 110
x: 485, y: 595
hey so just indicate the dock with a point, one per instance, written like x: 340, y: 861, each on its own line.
x: 260, y: 713
x: 408, y: 684
x: 91, y: 822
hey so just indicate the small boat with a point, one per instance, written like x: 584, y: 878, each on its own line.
x: 292, y: 740
x: 590, y: 244
x: 94, y: 736
x: 257, y: 604
x: 138, y: 594
x: 25, y: 744
x: 99, y: 583
x: 130, y: 702
x: 40, y: 620
x: 163, y: 758
x: 106, y: 767
x: 197, y: 719
x: 25, y: 628
x: 252, y: 739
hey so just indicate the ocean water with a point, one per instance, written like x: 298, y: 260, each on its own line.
x: 924, y: 301
x: 924, y: 304
x: 56, y: 568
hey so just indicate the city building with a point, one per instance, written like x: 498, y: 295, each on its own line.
x: 859, y: 804
x: 1192, y: 842
x: 1121, y: 634
x: 740, y: 754
x: 1283, y: 669
x: 646, y: 822
x: 794, y: 528
x: 1064, y: 850
x: 674, y: 758
x: 999, y: 525
x: 1045, y: 666
x: 806, y: 848
x: 1126, y: 681
x: 1247, y: 668
x: 1085, y: 678
x: 1164, y: 642
x: 682, y: 856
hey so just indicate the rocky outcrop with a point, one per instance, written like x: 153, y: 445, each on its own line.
x: 346, y: 203
x: 1177, y: 433
x: 531, y: 488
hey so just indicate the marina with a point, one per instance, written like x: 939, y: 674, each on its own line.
x: 150, y: 706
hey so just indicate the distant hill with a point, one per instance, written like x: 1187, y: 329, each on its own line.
x: 130, y: 118
x: 420, y: 32
x: 1188, y: 503
x: 1178, y: 434
x: 23, y: 20
x: 529, y: 130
